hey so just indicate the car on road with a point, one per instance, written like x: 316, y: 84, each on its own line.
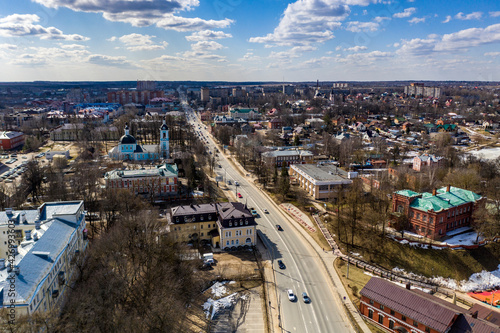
x: 291, y: 295
x: 279, y: 227
x: 265, y: 211
x: 239, y: 195
x: 236, y: 183
x: 306, y: 298
x: 281, y: 264
x: 229, y: 182
x: 254, y: 213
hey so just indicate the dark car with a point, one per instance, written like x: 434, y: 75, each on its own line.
x: 279, y: 227
x: 306, y: 298
x: 281, y: 264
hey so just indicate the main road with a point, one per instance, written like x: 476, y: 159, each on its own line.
x: 304, y: 271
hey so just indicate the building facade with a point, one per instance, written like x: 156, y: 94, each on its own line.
x: 40, y: 262
x: 226, y: 225
x: 397, y: 309
x: 160, y: 181
x: 427, y: 161
x: 247, y: 114
x: 128, y: 149
x: 434, y: 214
x: 133, y: 96
x: 320, y: 181
x: 11, y: 140
x: 285, y: 158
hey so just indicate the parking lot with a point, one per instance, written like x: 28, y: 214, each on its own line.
x: 14, y: 165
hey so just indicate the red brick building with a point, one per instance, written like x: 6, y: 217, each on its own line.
x: 427, y: 161
x: 275, y: 123
x: 11, y: 140
x: 434, y: 214
x: 401, y: 310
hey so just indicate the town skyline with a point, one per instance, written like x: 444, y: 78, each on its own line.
x: 291, y: 41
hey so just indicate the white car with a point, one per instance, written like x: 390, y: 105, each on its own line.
x: 291, y: 295
x: 266, y: 211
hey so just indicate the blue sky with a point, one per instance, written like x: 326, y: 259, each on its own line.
x: 253, y: 40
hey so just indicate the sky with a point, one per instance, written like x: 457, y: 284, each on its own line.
x: 249, y: 40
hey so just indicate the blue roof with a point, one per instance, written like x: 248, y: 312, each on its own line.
x: 34, y: 267
x: 52, y: 209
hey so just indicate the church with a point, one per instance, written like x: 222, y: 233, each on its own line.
x: 129, y: 150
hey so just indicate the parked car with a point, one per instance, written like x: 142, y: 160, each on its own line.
x: 291, y: 295
x: 306, y: 298
x: 265, y: 211
x: 239, y: 195
x: 229, y: 182
x: 236, y: 183
x: 281, y: 264
x: 279, y: 227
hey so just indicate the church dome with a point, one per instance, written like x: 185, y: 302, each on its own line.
x: 127, y: 139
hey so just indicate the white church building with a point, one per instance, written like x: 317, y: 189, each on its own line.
x: 128, y: 149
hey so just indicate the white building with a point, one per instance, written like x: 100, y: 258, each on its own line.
x: 37, y: 251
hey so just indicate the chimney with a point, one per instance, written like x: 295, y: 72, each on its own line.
x: 434, y: 192
x: 408, y: 286
x: 474, y: 315
x: 37, y: 224
x: 448, y: 188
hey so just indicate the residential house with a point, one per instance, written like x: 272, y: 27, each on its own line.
x: 246, y: 129
x: 397, y: 309
x: 434, y: 214
x: 275, y: 123
x: 247, y: 114
x: 427, y: 161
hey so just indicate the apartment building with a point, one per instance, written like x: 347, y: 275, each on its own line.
x: 285, y: 158
x: 11, y: 140
x: 38, y: 249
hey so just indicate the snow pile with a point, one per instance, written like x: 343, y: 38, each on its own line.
x: 218, y: 290
x: 477, y: 281
x: 217, y: 305
x: 463, y: 239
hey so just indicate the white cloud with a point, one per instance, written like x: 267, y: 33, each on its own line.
x: 364, y: 58
x: 405, y: 13
x: 105, y: 60
x: 309, y: 21
x: 141, y: 13
x: 8, y: 47
x: 471, y: 16
x: 205, y: 46
x: 492, y: 54
x: 73, y: 46
x: 20, y: 25
x: 416, y: 20
x: 448, y: 19
x: 495, y: 14
x: 356, y: 26
x: 461, y: 40
x: 356, y: 48
x: 380, y: 19
x: 249, y: 56
x: 207, y: 35
x: 139, y: 42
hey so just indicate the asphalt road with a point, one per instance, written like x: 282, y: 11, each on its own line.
x: 303, y: 273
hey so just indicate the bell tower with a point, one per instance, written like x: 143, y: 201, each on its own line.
x: 164, y: 141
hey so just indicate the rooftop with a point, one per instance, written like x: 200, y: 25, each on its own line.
x: 323, y: 173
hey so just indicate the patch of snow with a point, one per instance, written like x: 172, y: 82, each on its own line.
x: 218, y: 290
x: 463, y: 239
x: 217, y: 305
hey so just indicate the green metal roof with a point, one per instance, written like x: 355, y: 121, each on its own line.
x: 407, y: 193
x: 444, y: 200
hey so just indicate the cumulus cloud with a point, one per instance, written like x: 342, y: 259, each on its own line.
x: 19, y: 25
x: 356, y: 26
x: 416, y: 20
x: 8, y: 47
x: 105, y: 60
x: 204, y: 46
x: 73, y: 46
x: 364, y: 58
x: 141, y: 13
x: 309, y: 21
x: 458, y: 41
x: 207, y: 35
x: 356, y: 48
x: 471, y: 16
x: 139, y: 42
x: 448, y: 19
x: 405, y: 13
x: 495, y: 14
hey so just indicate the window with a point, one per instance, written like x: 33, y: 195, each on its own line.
x: 370, y: 314
x: 230, y: 224
x: 418, y: 216
x: 428, y: 330
x: 441, y: 219
x: 371, y: 302
x: 393, y: 313
x: 381, y: 307
x: 391, y: 324
x: 202, y: 234
x: 380, y: 319
x: 411, y: 214
x: 415, y: 323
x: 202, y: 224
x: 403, y: 318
